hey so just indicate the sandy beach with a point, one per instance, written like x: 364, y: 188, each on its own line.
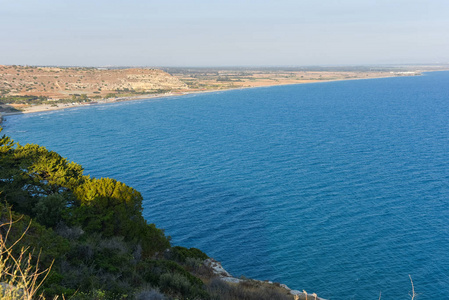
x: 25, y: 109
x: 261, y: 82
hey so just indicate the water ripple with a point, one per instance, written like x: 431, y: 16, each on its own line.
x: 338, y: 188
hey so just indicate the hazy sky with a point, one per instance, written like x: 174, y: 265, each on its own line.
x: 223, y: 32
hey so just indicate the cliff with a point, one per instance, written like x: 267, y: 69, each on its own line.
x: 89, y: 237
x: 60, y: 83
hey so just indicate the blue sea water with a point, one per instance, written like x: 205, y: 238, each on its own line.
x: 338, y: 188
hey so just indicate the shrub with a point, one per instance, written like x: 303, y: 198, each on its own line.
x: 149, y: 294
x: 174, y: 283
x: 172, y: 278
x: 181, y: 254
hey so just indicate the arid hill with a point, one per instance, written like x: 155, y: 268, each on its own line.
x: 60, y: 83
x: 80, y: 84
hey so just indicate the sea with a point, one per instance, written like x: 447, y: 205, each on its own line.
x: 336, y: 188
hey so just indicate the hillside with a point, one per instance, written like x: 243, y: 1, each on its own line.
x: 87, y: 239
x: 25, y: 89
x: 54, y: 83
x: 62, y: 83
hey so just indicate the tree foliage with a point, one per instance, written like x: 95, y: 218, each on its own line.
x: 92, y: 228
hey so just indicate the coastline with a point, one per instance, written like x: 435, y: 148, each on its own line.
x: 60, y: 106
x: 193, y: 97
x: 224, y: 275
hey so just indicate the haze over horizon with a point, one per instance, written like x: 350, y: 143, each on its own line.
x: 224, y: 33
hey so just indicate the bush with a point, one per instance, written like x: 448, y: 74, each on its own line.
x: 174, y: 283
x: 172, y: 278
x: 149, y: 294
x: 181, y: 254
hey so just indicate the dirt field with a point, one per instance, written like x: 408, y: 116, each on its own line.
x: 218, y: 79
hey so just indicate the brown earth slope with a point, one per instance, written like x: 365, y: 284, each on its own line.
x: 60, y: 83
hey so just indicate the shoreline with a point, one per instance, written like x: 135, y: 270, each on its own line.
x: 224, y: 275
x: 55, y: 107
x: 158, y: 96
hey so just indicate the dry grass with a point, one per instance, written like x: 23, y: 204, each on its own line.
x: 19, y: 278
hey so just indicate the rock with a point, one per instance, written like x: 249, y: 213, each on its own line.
x: 224, y: 275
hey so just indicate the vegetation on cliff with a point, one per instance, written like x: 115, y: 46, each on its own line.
x: 91, y: 236
x: 92, y: 230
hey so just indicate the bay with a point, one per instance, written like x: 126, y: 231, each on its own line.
x: 339, y: 188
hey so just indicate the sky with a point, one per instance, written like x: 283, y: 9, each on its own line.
x: 223, y: 32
